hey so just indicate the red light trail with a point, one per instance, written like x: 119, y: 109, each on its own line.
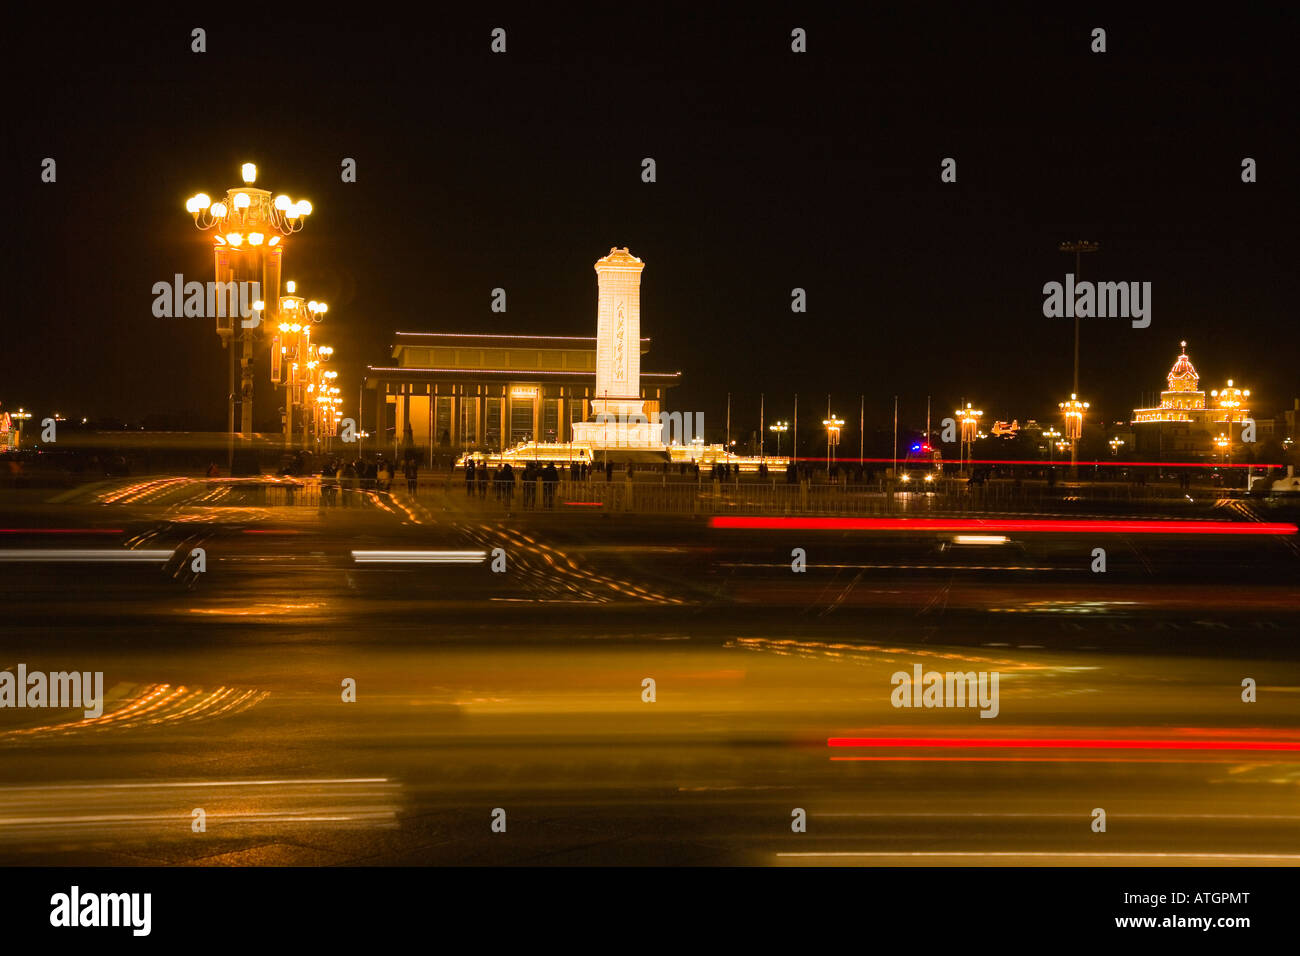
x: 1049, y: 525
x: 922, y: 463
x: 1057, y: 743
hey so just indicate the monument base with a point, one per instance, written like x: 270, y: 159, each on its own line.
x: 619, y: 423
x: 619, y: 434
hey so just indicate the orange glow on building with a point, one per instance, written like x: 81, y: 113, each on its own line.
x: 1183, y: 401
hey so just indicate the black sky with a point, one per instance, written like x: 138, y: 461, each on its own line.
x: 775, y: 170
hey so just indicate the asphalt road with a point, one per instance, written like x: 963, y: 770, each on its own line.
x: 524, y: 690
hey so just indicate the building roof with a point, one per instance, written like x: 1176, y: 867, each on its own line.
x: 472, y: 340
x: 1182, y: 373
x: 505, y: 374
x: 620, y: 259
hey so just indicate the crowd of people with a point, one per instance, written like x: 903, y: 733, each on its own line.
x: 502, y: 479
x: 342, y: 480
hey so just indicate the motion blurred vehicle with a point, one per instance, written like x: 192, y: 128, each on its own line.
x: 922, y: 466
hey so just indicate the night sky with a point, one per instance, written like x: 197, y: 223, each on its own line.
x: 775, y: 170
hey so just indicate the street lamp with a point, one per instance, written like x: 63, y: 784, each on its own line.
x: 1073, y: 411
x: 327, y: 383
x: 779, y: 428
x: 1115, y: 445
x: 20, y: 416
x: 1231, y: 399
x: 969, y: 418
x: 292, y: 353
x: 1051, y: 435
x: 833, y: 424
x: 249, y: 226
x: 1224, y: 444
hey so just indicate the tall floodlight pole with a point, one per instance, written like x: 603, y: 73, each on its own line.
x: 247, y: 247
x: 1078, y: 247
x: 762, y: 420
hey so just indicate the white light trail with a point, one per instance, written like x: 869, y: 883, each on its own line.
x: 419, y: 557
x: 74, y: 556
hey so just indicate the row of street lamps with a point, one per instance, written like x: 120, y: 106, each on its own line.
x: 298, y: 364
x: 249, y: 229
x: 968, y: 419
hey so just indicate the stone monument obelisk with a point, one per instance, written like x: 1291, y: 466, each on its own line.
x: 618, y: 334
x: 617, y: 408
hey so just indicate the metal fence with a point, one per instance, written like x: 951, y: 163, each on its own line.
x: 670, y: 496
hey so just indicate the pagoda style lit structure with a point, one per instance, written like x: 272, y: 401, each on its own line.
x: 1183, y: 401
x: 1185, y: 423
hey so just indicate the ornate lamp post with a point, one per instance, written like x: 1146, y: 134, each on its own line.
x: 1073, y: 411
x: 1224, y: 444
x: 292, y: 353
x: 969, y: 419
x: 1051, y: 435
x: 833, y: 425
x: 1232, y: 400
x: 326, y: 384
x: 19, y: 417
x: 247, y: 247
x: 335, y: 412
x: 322, y: 379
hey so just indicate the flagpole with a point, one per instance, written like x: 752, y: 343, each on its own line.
x: 862, y: 427
x: 895, y: 437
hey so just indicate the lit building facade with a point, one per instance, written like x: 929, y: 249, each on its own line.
x: 455, y: 393
x: 1186, y: 422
